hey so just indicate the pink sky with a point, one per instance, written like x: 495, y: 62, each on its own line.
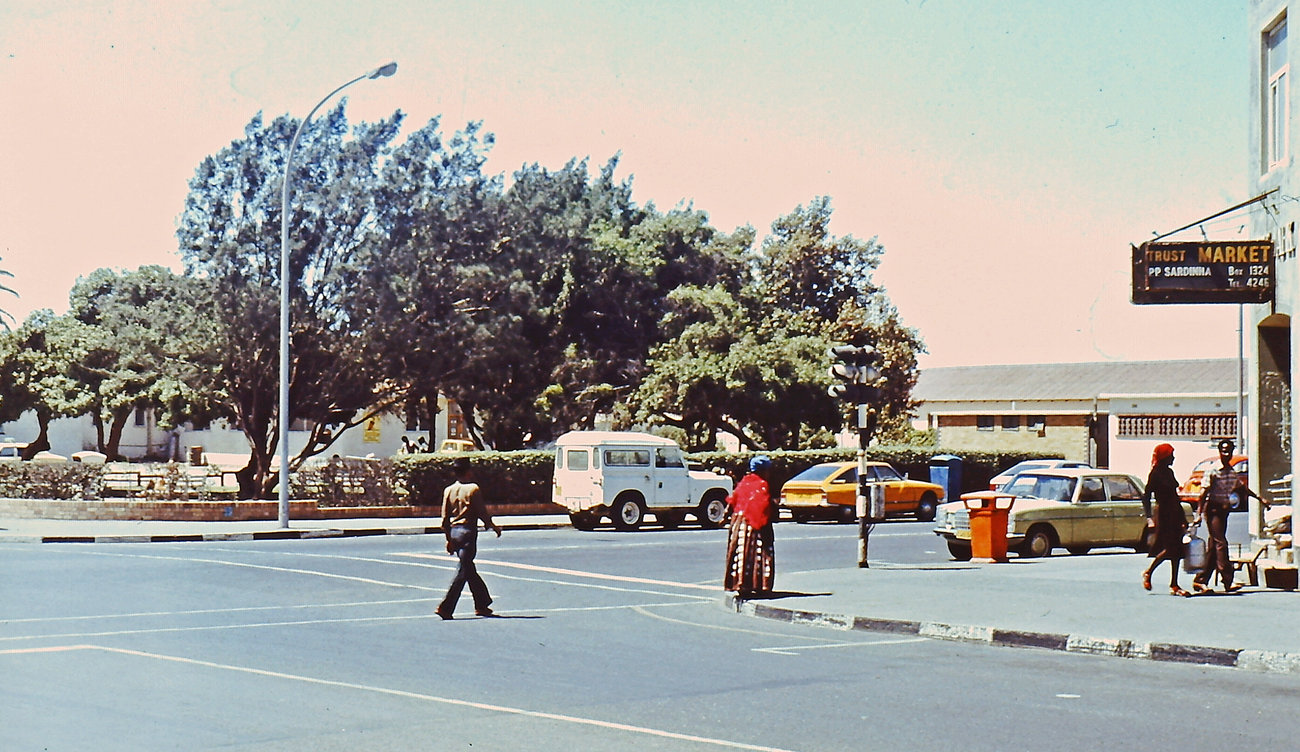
x: 1004, y: 154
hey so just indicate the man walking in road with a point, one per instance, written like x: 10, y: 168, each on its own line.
x: 462, y: 508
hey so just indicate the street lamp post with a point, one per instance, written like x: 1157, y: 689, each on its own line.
x: 283, y: 485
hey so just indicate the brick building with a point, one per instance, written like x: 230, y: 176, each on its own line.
x: 1110, y: 414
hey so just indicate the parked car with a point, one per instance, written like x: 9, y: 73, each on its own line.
x: 830, y: 490
x: 1075, y: 508
x: 1001, y: 479
x: 456, y: 446
x: 623, y: 475
x: 1191, y: 489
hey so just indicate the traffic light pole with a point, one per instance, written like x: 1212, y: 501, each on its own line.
x: 858, y: 375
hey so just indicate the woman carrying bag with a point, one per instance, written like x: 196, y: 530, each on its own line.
x: 1169, y: 521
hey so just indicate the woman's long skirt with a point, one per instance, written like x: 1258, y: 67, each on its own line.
x: 751, y: 559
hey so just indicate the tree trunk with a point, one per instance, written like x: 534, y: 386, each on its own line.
x: 115, y: 434
x: 42, y: 441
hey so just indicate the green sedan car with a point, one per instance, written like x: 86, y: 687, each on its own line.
x: 1077, y: 509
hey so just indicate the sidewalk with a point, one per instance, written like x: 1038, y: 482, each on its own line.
x: 1085, y: 604
x: 152, y: 531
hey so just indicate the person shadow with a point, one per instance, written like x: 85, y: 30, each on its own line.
x: 777, y: 595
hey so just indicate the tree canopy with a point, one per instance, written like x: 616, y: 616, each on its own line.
x: 539, y: 303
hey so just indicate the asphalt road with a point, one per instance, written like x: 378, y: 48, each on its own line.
x: 606, y: 641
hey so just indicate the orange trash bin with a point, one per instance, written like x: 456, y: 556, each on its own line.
x: 988, y: 512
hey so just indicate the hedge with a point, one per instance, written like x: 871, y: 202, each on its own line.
x: 517, y: 477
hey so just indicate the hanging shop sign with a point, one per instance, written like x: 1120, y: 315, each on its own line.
x: 1238, y: 271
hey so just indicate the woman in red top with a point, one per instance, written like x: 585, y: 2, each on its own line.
x: 751, y: 559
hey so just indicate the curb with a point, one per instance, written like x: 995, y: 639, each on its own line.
x: 1251, y: 660
x: 304, y: 534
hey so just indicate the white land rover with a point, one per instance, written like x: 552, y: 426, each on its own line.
x: 623, y: 475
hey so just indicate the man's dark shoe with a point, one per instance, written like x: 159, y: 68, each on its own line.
x: 444, y: 615
x: 485, y: 611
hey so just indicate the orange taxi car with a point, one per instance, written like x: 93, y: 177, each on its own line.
x: 830, y: 490
x: 1190, y: 491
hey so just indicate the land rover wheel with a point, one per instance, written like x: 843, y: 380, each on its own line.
x: 713, y: 509
x: 629, y: 511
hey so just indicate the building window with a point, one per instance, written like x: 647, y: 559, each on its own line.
x: 1037, y: 423
x: 1276, y: 98
x: 984, y: 422
x: 1010, y: 422
x: 140, y: 416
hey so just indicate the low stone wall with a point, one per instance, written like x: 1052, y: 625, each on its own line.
x: 227, y: 511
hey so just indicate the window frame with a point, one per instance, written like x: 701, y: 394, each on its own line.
x: 1275, y: 96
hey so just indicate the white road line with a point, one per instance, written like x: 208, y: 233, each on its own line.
x: 786, y: 650
x: 718, y: 627
x: 577, y: 720
x: 307, y: 622
x: 246, y: 565
x: 796, y: 649
x: 207, y: 611
x: 211, y: 628
x: 580, y: 573
x: 449, y: 566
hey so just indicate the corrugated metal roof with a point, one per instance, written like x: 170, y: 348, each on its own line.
x: 1074, y: 381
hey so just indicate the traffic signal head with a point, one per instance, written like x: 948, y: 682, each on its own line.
x: 856, y: 370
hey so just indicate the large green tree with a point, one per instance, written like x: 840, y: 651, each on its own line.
x: 230, y: 236
x: 751, y: 360
x: 40, y: 361
x: 433, y: 278
x: 152, y: 332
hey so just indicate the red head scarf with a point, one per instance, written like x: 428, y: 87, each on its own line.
x: 1162, y: 453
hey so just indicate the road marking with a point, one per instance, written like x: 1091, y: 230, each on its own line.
x: 784, y: 650
x: 211, y: 627
x: 796, y: 649
x: 310, y: 622
x: 206, y: 611
x: 578, y: 573
x: 449, y: 566
x: 51, y: 649
x: 455, y: 702
x: 246, y: 565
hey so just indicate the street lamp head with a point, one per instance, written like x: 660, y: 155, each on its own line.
x: 386, y: 70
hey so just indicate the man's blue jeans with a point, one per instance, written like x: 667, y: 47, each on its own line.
x: 465, y: 539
